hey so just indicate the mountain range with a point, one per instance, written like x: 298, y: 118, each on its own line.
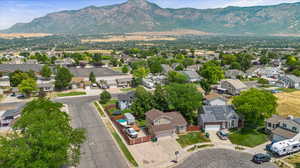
x: 143, y: 16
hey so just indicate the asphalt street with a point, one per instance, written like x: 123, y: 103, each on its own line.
x: 99, y: 150
x: 222, y: 158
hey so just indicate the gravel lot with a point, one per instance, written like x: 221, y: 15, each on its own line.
x: 222, y: 158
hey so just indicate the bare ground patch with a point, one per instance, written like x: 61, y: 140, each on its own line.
x: 289, y: 103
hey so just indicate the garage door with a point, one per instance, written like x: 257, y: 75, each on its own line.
x: 212, y: 127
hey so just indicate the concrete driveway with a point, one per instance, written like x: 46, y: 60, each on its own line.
x: 222, y: 158
x: 158, y: 154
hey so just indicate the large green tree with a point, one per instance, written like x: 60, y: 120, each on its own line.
x: 141, y: 72
x: 17, y: 77
x: 42, y: 138
x: 28, y: 86
x: 63, y: 78
x: 142, y: 103
x: 105, y: 96
x: 46, y: 71
x: 92, y: 77
x: 176, y: 77
x: 212, y: 72
x: 184, y: 98
x: 255, y: 105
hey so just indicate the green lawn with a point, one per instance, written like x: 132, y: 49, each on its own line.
x: 71, y: 94
x: 191, y: 138
x: 112, y: 101
x: 124, y: 149
x: 99, y: 109
x: 248, y: 137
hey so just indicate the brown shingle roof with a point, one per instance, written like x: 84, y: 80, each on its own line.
x: 175, y: 117
x: 284, y: 133
x: 275, y: 119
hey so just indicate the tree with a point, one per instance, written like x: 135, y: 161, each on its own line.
x: 142, y: 103
x: 42, y: 137
x: 125, y: 69
x: 105, y: 97
x: 179, y: 67
x: 141, y: 72
x: 114, y: 62
x: 184, y: 98
x: 46, y: 71
x: 263, y: 81
x: 15, y: 78
x: 205, y: 86
x: 255, y: 105
x: 176, y: 77
x: 92, y: 77
x: 264, y: 59
x: 160, y: 98
x: 27, y: 86
x: 245, y: 61
x: 155, y: 67
x: 212, y: 72
x: 63, y: 78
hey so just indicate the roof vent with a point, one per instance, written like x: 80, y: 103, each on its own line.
x: 290, y: 117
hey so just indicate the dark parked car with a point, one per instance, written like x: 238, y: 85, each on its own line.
x: 260, y: 158
x: 222, y: 135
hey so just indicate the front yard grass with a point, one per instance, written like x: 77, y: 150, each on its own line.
x: 99, y: 109
x: 248, y: 137
x: 124, y: 149
x: 71, y: 94
x: 127, y: 89
x: 110, y: 102
x: 191, y: 138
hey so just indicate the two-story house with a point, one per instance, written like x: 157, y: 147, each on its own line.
x: 282, y: 128
x: 233, y: 86
x: 290, y: 81
x: 8, y: 116
x: 161, y: 124
x: 215, y: 118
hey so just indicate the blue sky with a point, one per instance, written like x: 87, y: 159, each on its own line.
x: 16, y: 11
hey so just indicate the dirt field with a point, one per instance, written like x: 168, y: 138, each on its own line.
x: 129, y: 38
x: 178, y: 32
x: 90, y: 51
x: 289, y: 103
x: 22, y: 35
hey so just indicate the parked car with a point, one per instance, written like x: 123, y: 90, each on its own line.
x: 222, y: 135
x: 131, y: 132
x: 21, y: 96
x: 260, y: 158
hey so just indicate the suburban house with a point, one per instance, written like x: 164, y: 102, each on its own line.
x: 106, y: 75
x: 31, y: 61
x: 125, y: 100
x: 4, y: 81
x: 215, y: 118
x: 214, y: 99
x: 162, y: 124
x: 46, y: 87
x: 234, y: 74
x: 282, y: 128
x: 66, y: 61
x: 269, y: 72
x: 192, y: 76
x: 289, y: 81
x: 8, y: 116
x: 233, y: 86
x: 195, y: 67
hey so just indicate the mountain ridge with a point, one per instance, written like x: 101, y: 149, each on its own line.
x: 143, y: 16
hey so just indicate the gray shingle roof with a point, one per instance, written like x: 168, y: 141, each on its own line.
x: 22, y: 67
x: 127, y: 96
x: 294, y: 78
x: 192, y: 74
x: 98, y: 72
x: 217, y: 113
x: 297, y: 120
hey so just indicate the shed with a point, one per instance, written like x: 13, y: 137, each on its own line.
x: 130, y: 118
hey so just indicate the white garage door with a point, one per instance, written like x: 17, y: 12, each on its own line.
x: 212, y: 127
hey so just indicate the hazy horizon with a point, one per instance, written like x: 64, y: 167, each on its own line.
x: 20, y: 11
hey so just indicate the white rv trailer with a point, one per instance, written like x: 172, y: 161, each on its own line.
x: 286, y: 147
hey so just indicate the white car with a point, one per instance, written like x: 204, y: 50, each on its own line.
x: 131, y: 132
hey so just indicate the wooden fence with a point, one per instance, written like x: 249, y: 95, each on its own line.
x: 193, y: 128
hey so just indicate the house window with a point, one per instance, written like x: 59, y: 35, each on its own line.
x: 294, y: 129
x: 284, y: 125
x: 232, y: 123
x: 269, y: 125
